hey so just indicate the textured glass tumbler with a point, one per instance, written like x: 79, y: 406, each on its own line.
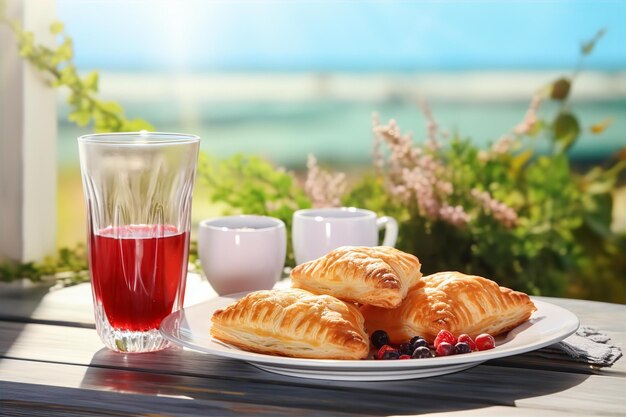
x: 138, y: 190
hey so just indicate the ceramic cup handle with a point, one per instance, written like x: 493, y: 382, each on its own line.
x: 391, y: 230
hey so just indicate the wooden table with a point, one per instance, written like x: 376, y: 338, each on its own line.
x: 52, y: 363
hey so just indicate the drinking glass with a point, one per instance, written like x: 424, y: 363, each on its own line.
x: 138, y: 190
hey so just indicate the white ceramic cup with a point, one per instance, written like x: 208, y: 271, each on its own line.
x: 318, y: 231
x: 242, y: 253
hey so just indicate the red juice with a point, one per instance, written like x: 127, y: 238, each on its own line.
x: 138, y: 273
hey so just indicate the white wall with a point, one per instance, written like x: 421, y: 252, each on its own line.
x: 28, y: 132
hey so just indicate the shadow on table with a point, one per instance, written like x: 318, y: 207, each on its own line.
x: 208, y: 379
x: 17, y: 305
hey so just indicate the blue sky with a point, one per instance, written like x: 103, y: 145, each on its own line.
x: 194, y: 35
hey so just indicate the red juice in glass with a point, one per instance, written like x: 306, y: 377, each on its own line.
x: 138, y: 273
x: 138, y: 190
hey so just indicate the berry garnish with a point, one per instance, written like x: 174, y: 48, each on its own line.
x: 404, y: 357
x: 391, y: 354
x: 445, y: 336
x: 445, y: 349
x: 418, y: 341
x: 466, y: 339
x: 421, y: 352
x: 462, y: 347
x: 383, y: 349
x: 415, y: 339
x: 379, y: 338
x: 405, y: 349
x: 485, y: 341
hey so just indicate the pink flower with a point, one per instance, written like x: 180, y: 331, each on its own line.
x: 454, y: 215
x: 500, y: 211
x: 417, y: 176
x: 530, y: 119
x: 323, y: 188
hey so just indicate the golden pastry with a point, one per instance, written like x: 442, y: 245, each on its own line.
x: 293, y: 322
x: 452, y: 301
x: 379, y: 275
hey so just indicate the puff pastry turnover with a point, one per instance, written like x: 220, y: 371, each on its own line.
x: 453, y: 301
x: 293, y: 322
x: 379, y: 275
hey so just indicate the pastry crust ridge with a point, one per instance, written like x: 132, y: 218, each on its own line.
x: 379, y: 275
x: 452, y: 301
x: 293, y: 322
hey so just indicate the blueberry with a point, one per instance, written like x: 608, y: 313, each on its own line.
x: 418, y: 343
x: 421, y: 352
x: 405, y: 349
x: 391, y: 354
x: 462, y: 347
x: 379, y: 338
x: 415, y: 339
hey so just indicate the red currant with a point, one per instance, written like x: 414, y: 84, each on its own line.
x: 485, y: 341
x: 466, y: 339
x: 445, y: 349
x: 445, y: 336
x: 381, y: 352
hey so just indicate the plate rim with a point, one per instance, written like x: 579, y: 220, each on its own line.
x: 338, y: 365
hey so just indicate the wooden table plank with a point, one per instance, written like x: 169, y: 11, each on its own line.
x: 52, y: 401
x: 72, y: 305
x: 51, y: 356
x: 49, y: 400
x: 463, y: 391
x: 484, y: 385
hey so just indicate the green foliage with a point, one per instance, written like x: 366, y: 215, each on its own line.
x: 56, y: 64
x: 250, y: 185
x: 68, y: 267
x: 586, y: 48
x: 560, y: 89
x: 562, y: 242
x: 565, y: 131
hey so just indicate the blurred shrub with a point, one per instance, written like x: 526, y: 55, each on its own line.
x: 527, y: 221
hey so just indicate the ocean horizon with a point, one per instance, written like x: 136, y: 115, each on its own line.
x: 286, y: 116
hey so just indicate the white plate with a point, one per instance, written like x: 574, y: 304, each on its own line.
x: 190, y: 326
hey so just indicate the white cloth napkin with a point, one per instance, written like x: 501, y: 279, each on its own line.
x: 587, y: 345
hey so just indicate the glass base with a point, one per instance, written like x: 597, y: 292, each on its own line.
x: 127, y: 341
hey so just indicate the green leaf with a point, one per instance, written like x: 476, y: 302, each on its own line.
x: 111, y: 107
x: 565, y: 131
x: 587, y: 47
x: 599, y: 213
x: 26, y: 43
x: 68, y: 75
x: 539, y: 126
x: 56, y: 27
x: 136, y: 125
x: 80, y: 117
x: 560, y: 89
x: 601, y: 126
x: 518, y: 161
x: 90, y: 82
x: 65, y: 51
